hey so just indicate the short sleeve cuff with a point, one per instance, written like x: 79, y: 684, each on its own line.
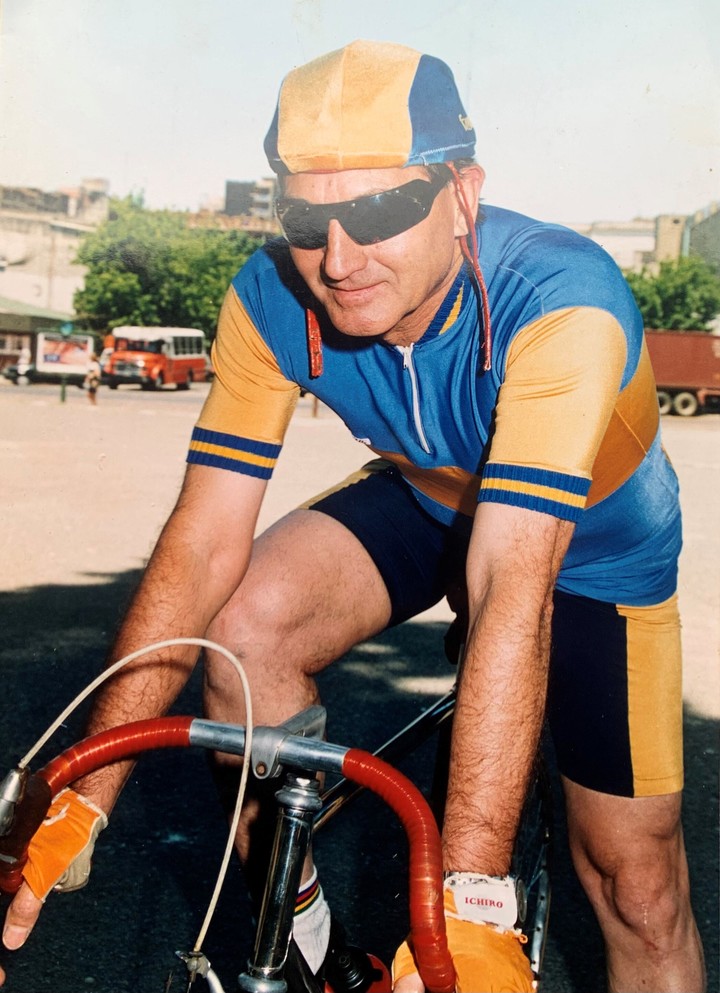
x: 228, y: 451
x: 547, y: 491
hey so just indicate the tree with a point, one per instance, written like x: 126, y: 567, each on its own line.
x: 683, y: 295
x: 151, y: 268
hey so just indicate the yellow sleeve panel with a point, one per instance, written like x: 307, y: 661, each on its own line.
x: 250, y: 397
x: 563, y: 374
x: 630, y: 433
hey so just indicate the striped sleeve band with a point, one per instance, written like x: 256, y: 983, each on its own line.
x: 227, y: 451
x: 544, y: 490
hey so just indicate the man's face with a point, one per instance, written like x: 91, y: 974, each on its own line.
x: 391, y: 288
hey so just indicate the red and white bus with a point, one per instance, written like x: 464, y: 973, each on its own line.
x: 156, y: 357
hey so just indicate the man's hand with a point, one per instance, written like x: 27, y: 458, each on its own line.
x: 59, y: 857
x: 486, y: 961
x: 20, y: 919
x: 485, y: 946
x: 60, y: 853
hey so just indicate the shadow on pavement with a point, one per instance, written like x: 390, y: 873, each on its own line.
x: 156, y: 864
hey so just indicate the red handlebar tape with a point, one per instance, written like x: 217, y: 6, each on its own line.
x: 427, y: 918
x: 86, y: 756
x: 114, y: 744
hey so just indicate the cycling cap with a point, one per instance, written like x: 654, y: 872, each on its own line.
x: 370, y: 105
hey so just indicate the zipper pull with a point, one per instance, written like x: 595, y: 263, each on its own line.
x: 406, y: 352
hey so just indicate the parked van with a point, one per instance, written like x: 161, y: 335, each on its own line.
x: 155, y: 357
x: 54, y: 357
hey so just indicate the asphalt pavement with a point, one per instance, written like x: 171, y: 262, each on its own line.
x: 84, y: 492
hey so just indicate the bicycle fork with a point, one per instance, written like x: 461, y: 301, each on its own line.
x: 299, y: 801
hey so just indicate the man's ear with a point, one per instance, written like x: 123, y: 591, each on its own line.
x: 467, y: 197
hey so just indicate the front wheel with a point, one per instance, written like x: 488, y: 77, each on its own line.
x: 664, y: 401
x: 686, y: 404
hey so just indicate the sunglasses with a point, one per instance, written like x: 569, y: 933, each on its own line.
x: 366, y: 220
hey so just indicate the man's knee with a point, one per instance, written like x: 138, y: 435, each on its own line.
x: 648, y: 896
x: 631, y: 861
x: 251, y: 618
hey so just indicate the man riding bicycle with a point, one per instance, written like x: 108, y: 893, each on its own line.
x: 496, y: 367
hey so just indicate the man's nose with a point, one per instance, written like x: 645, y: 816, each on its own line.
x: 343, y: 256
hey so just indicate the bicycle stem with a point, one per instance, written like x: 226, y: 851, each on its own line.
x: 299, y: 801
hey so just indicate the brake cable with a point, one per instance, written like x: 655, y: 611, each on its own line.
x: 107, y: 674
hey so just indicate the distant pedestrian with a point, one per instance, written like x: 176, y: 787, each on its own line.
x: 92, y: 379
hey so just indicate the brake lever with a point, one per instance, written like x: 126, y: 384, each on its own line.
x: 12, y: 791
x: 27, y: 816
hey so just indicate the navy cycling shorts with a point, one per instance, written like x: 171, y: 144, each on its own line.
x: 614, y: 700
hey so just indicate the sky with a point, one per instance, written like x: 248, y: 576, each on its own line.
x: 584, y: 110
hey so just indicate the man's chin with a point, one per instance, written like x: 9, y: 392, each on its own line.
x: 355, y: 324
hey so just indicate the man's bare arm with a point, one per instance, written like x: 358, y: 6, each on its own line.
x: 198, y: 563
x: 513, y: 561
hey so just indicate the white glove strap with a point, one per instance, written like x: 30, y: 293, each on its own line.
x: 484, y: 899
x: 77, y: 873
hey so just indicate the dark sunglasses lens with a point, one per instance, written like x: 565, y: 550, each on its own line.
x: 378, y: 218
x: 303, y: 226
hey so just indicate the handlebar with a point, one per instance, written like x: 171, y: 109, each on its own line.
x: 427, y: 921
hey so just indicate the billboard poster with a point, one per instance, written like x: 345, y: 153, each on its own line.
x: 61, y: 354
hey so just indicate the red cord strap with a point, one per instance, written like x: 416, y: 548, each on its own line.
x: 314, y: 341
x: 427, y: 919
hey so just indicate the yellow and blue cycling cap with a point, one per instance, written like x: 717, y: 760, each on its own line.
x: 369, y: 105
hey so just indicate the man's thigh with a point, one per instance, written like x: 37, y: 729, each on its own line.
x: 418, y: 558
x: 615, y: 696
x: 339, y: 570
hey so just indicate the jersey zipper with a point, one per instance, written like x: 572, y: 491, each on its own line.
x: 406, y: 352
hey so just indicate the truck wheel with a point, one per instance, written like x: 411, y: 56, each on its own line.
x: 187, y: 384
x: 664, y: 401
x: 685, y: 404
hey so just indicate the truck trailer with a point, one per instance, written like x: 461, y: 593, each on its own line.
x: 687, y: 370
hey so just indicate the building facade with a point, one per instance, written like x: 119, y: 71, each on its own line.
x: 254, y: 199
x: 40, y: 234
x: 703, y: 235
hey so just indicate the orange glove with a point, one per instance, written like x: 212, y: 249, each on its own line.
x: 60, y: 853
x: 488, y: 957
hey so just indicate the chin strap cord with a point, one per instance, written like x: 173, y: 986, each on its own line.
x: 469, y: 248
x: 314, y: 342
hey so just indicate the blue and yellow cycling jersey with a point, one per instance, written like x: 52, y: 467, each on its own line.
x: 565, y: 422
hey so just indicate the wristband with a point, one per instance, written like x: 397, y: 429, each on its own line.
x: 498, y: 900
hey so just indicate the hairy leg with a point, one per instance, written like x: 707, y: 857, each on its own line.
x: 630, y: 857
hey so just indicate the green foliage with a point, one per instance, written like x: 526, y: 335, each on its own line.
x: 681, y: 296
x: 151, y: 268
